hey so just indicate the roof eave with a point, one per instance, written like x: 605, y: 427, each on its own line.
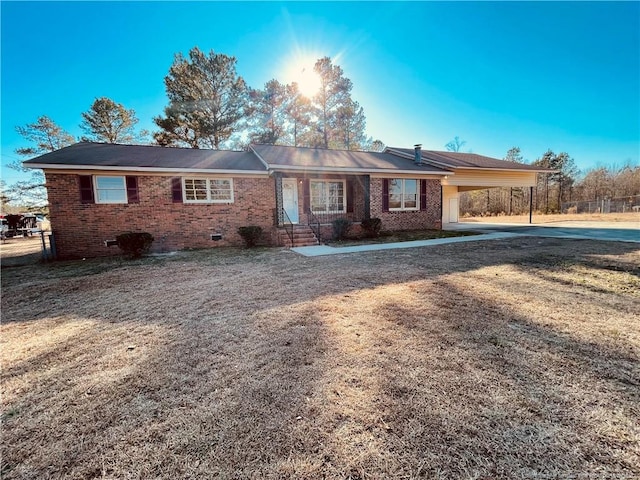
x: 111, y: 168
x: 525, y: 170
x: 339, y: 170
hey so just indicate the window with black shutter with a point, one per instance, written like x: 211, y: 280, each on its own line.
x: 85, y: 183
x: 423, y: 194
x: 385, y: 195
x: 349, y: 196
x: 132, y: 190
x: 176, y: 189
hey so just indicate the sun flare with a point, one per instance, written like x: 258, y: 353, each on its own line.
x: 300, y: 70
x: 308, y: 82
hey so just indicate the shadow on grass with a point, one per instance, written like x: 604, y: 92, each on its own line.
x: 270, y: 365
x: 509, y: 397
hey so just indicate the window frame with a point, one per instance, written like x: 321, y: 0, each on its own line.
x: 326, y: 182
x: 97, y: 190
x: 209, y: 199
x: 403, y: 195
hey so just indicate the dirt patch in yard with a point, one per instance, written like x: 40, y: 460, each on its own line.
x: 509, y: 359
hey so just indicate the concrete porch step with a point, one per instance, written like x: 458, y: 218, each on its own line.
x: 303, y: 236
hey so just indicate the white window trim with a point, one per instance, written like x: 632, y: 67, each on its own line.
x: 208, y: 180
x: 403, y: 208
x: 344, y: 196
x: 96, y: 190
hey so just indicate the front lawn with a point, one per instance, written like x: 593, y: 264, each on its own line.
x: 513, y: 359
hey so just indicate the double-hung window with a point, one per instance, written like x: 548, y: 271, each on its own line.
x: 327, y: 196
x: 208, y: 190
x: 403, y: 194
x: 110, y: 189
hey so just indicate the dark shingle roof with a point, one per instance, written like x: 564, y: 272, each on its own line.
x: 88, y: 155
x: 466, y: 160
x: 104, y: 155
x: 346, y: 160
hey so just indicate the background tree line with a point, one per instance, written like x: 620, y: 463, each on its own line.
x: 558, y: 191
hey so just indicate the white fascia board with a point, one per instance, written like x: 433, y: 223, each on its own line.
x: 286, y: 168
x: 210, y: 171
x: 493, y: 169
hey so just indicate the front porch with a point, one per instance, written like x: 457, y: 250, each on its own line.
x: 316, y: 201
x: 400, y: 201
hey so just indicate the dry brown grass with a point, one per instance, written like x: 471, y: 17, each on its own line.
x: 20, y: 250
x: 511, y: 359
x: 551, y: 218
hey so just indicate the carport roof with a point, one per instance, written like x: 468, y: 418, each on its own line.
x: 455, y: 160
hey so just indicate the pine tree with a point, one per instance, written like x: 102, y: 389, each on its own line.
x: 109, y: 122
x: 335, y: 92
x: 207, y: 101
x: 298, y: 112
x: 349, y: 128
x: 269, y: 116
x: 514, y: 155
x: 45, y: 136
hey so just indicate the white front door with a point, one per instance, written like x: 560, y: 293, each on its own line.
x: 290, y: 198
x: 453, y: 210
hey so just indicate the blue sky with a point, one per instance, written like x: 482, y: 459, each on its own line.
x: 538, y: 75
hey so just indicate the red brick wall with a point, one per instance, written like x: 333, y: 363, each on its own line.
x: 410, y: 220
x: 81, y: 229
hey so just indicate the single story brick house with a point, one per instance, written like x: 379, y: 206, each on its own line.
x: 190, y: 198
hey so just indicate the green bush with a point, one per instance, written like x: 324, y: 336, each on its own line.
x: 135, y: 244
x: 250, y: 235
x: 371, y: 227
x: 341, y: 227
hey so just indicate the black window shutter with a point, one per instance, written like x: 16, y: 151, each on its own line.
x: 385, y: 195
x: 176, y: 189
x: 306, y: 195
x: 86, y: 188
x: 423, y: 194
x: 349, y: 196
x: 132, y: 190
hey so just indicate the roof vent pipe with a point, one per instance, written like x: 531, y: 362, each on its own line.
x: 418, y: 153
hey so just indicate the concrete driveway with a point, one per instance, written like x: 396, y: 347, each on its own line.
x: 608, y: 231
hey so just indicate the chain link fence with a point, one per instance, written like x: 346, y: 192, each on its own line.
x: 605, y: 205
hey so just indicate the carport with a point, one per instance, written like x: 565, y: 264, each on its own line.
x: 468, y: 179
x: 470, y: 171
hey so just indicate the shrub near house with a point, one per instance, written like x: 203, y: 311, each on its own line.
x: 251, y: 235
x: 135, y: 244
